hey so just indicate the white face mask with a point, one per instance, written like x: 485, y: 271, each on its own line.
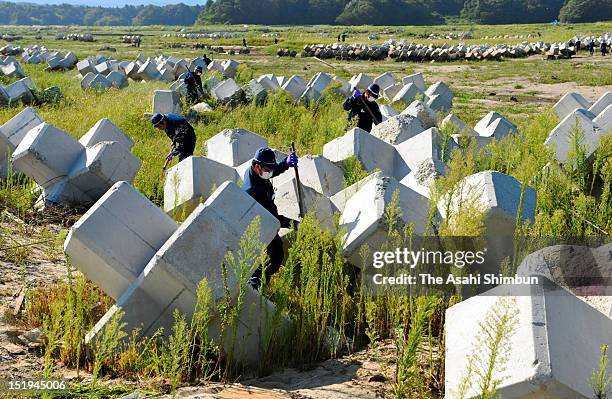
x: 371, y: 99
x: 266, y: 175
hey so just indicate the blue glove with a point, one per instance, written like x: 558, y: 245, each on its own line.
x: 357, y: 93
x: 296, y: 224
x: 292, y: 160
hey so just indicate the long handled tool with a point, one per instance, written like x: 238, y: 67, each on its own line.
x: 299, y: 186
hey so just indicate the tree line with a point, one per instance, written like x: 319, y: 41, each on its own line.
x: 66, y: 14
x: 312, y: 12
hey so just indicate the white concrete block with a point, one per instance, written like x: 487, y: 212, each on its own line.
x: 387, y: 112
x: 87, y: 79
x: 341, y: 197
x: 416, y: 79
x: 422, y: 178
x: 295, y: 87
x: 115, y: 239
x: 309, y: 96
x: 320, y: 81
x: 286, y: 200
x: 363, y: 215
x: 318, y: 173
x: 390, y: 92
x: 554, y: 347
x: 166, y: 101
x: 102, y: 165
x: 568, y: 103
x: 233, y: 147
x: 494, y: 125
x: 85, y: 66
x: 602, y: 103
x: 458, y: 126
x: 398, y: 129
x: 19, y: 91
x: 361, y: 82
x: 16, y: 128
x: 268, y: 83
x: 604, y: 120
x: 46, y: 154
x: 105, y: 130
x: 560, y: 138
x: 427, y: 144
x: 192, y: 181
x: 385, y: 80
x: 117, y: 79
x: 418, y: 109
x: 372, y: 152
x: 407, y: 94
x: 99, y: 82
x: 445, y: 100
x: 226, y: 91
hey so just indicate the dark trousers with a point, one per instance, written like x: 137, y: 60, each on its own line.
x: 192, y: 96
x: 275, y: 255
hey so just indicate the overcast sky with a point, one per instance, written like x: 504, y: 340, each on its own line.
x: 113, y: 3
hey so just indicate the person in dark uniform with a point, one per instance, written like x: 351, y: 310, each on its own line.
x: 244, y: 43
x: 604, y: 48
x: 591, y: 48
x: 258, y: 185
x: 364, y: 107
x: 193, y: 81
x: 206, y: 60
x: 179, y: 131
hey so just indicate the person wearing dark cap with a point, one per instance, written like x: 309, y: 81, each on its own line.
x: 364, y: 107
x: 193, y: 81
x: 258, y: 185
x: 179, y: 131
x: 206, y: 60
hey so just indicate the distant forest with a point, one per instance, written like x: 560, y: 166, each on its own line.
x: 286, y: 12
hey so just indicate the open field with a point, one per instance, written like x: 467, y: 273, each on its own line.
x: 522, y: 90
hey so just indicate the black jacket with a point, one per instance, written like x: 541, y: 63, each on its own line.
x: 367, y: 113
x: 193, y: 82
x: 182, y: 135
x: 263, y: 192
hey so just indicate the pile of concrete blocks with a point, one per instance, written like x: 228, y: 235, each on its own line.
x: 56, y: 61
x: 554, y: 340
x: 593, y: 120
x: 10, y: 67
x: 80, y: 37
x: 61, y: 62
x: 71, y: 172
x: 140, y: 257
x: 12, y: 133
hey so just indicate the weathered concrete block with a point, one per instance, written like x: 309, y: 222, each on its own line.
x: 16, y: 128
x: 318, y: 173
x: 19, y: 91
x: 344, y: 87
x: 117, y: 79
x: 226, y: 91
x: 86, y: 81
x: 115, y: 239
x: 398, y: 129
x: 148, y: 71
x: 253, y: 91
x: 494, y: 125
x: 363, y: 215
x: 103, y: 68
x: 46, y: 154
x: 387, y: 112
x: 166, y: 101
x: 416, y: 79
x: 192, y: 181
x: 309, y: 96
x: 497, y: 196
x: 439, y: 104
x: 233, y: 147
x: 295, y: 86
x: 268, y: 82
x: 170, y: 279
x: 390, y: 92
x: 604, y: 120
x: 418, y: 109
x: 407, y: 94
x: 458, y: 126
x: 422, y: 178
x: 602, y: 103
x: 361, y: 82
x: 99, y: 82
x: 568, y: 103
x: 102, y: 165
x: 445, y: 100
x: 320, y: 81
x: 427, y: 144
x: 554, y: 347
x: 105, y: 130
x: 372, y: 152
x: 341, y: 197
x: 561, y: 136
x: 286, y: 200
x: 385, y: 80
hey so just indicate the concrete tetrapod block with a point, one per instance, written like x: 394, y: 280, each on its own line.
x: 268, y: 83
x: 364, y: 213
x: 105, y: 130
x: 310, y: 95
x: 85, y: 66
x: 341, y: 197
x: 233, y: 147
x: 560, y: 138
x: 286, y: 200
x: 445, y: 101
x: 496, y: 195
x: 344, y: 87
x: 318, y: 173
x: 387, y: 112
x: 117, y: 79
x: 46, y: 154
x: 192, y: 181
x: 295, y: 87
x: 427, y: 144
x: 102, y: 165
x: 390, y: 92
x: 226, y: 91
x: 253, y: 91
x: 416, y: 79
x: 568, y: 103
x: 554, y: 347
x: 398, y: 129
x: 407, y: 94
x: 166, y: 101
x: 385, y: 80
x: 19, y: 91
x: 16, y: 128
x: 361, y: 82
x: 458, y: 126
x: 494, y: 125
x: 87, y: 79
x: 320, y: 81
x: 427, y: 116
x: 115, y: 239
x: 602, y: 103
x: 422, y: 178
x: 604, y: 120
x: 194, y: 252
x: 372, y: 152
